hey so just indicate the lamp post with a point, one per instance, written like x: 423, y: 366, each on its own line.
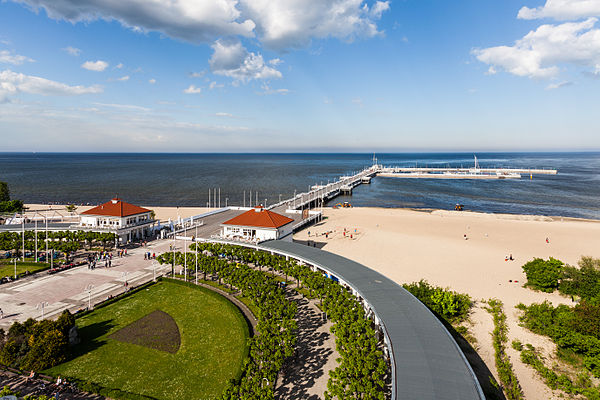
x: 196, y: 247
x: 173, y: 266
x: 88, y: 289
x: 46, y: 239
x: 124, y: 275
x: 23, y: 234
x: 15, y: 260
x: 154, y: 271
x: 41, y: 306
x: 36, y: 247
x: 185, y: 253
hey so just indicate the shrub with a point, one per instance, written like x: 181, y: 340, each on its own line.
x: 583, y: 281
x: 508, y: 379
x: 36, y: 345
x: 543, y: 275
x: 452, y: 306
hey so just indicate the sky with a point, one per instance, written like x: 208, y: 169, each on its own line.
x: 299, y: 75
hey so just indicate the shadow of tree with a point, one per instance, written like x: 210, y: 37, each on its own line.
x: 90, y: 337
x: 308, y: 362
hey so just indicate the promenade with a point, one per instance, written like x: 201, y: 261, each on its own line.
x: 21, y: 299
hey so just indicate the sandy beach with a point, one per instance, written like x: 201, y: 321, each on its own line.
x: 408, y: 245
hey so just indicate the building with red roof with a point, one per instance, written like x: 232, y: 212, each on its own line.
x: 257, y: 224
x: 129, y: 221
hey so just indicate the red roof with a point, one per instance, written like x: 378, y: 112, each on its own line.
x: 116, y: 208
x: 260, y: 217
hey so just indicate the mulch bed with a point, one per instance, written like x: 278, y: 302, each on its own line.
x: 157, y: 330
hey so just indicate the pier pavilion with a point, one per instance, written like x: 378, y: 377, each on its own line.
x: 258, y: 224
x: 128, y: 221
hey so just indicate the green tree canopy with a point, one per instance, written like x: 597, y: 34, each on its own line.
x: 4, y: 192
x: 543, y: 274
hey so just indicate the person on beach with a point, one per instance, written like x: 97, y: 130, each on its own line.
x: 547, y: 240
x: 1, y: 314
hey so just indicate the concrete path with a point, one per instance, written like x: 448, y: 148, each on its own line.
x: 20, y: 300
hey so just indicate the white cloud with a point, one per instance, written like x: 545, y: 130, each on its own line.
x: 97, y: 66
x: 558, y: 85
x: 12, y: 83
x: 191, y: 20
x: 279, y: 25
x: 563, y: 10
x: 266, y: 89
x: 197, y: 74
x: 123, y: 78
x: 192, y: 90
x: 275, y: 61
x: 123, y: 106
x: 539, y: 53
x: 8, y: 57
x: 152, y: 81
x: 119, y: 66
x: 224, y: 114
x: 292, y: 24
x: 232, y: 59
x: 74, y: 51
x: 215, y: 85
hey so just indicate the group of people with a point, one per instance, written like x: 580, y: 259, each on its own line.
x: 149, y: 256
x: 95, y: 259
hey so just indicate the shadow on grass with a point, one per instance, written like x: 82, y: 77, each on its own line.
x: 90, y: 338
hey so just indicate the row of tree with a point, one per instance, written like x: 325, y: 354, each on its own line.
x: 36, y: 345
x: 64, y: 241
x: 362, y: 371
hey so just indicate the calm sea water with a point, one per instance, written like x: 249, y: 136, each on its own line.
x: 184, y: 180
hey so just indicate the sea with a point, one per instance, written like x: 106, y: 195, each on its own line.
x: 185, y: 180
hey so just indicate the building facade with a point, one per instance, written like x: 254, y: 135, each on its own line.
x: 128, y: 221
x: 257, y: 225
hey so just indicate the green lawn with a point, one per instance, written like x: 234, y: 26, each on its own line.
x: 7, y: 268
x: 213, y: 345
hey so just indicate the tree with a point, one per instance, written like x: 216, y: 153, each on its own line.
x: 4, y: 192
x: 71, y: 208
x: 543, y: 275
x: 583, y: 281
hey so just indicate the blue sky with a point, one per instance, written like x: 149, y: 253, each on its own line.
x: 299, y: 75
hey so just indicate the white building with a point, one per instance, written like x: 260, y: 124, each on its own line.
x: 257, y: 224
x: 128, y: 221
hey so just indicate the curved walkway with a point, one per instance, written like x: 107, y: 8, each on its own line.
x: 426, y: 361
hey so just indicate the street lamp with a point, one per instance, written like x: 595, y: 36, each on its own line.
x: 15, y: 260
x: 196, y: 247
x: 88, y: 289
x: 154, y: 271
x: 41, y: 306
x: 124, y: 275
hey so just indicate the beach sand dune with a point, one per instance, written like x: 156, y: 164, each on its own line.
x: 464, y: 251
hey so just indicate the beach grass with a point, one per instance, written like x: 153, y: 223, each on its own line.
x: 213, y: 338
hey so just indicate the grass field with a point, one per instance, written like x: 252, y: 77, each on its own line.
x: 7, y: 268
x: 213, y: 335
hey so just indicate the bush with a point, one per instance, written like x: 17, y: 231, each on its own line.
x: 452, y: 306
x: 583, y: 281
x: 572, y: 328
x: 36, y: 345
x: 543, y: 275
x: 508, y: 379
